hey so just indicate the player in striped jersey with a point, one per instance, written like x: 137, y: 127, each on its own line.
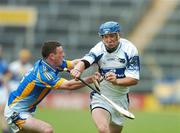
x: 118, y: 62
x: 35, y: 85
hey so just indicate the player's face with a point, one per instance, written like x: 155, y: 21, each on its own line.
x: 110, y: 40
x: 58, y: 56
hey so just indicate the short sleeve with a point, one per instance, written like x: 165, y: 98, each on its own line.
x: 65, y: 64
x: 49, y: 80
x: 94, y: 54
x: 133, y: 64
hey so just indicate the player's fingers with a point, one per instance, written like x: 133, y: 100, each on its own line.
x: 75, y: 74
x: 97, y: 76
x: 109, y: 74
x: 111, y: 77
x: 108, y: 77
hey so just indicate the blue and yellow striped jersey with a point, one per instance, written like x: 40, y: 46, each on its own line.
x: 35, y: 85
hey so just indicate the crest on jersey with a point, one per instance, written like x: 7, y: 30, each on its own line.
x: 121, y: 60
x: 134, y: 63
x: 47, y: 74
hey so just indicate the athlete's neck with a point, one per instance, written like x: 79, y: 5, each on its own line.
x: 110, y: 50
x: 50, y: 63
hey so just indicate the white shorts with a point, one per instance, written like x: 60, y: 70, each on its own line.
x: 15, y: 119
x: 116, y: 118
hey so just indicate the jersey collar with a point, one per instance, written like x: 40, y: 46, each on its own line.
x: 49, y: 66
x: 116, y: 49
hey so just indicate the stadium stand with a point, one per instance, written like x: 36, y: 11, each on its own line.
x: 74, y: 22
x: 163, y: 52
x: 146, y: 37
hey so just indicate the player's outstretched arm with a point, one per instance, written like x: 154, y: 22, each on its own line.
x: 76, y: 84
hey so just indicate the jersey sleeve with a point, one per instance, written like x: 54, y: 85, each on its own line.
x: 133, y: 63
x: 65, y: 64
x: 49, y: 80
x: 94, y: 54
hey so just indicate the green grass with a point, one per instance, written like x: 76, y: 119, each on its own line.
x: 154, y: 122
x: 79, y: 121
x: 68, y: 121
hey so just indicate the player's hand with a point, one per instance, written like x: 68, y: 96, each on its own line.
x: 75, y: 73
x: 97, y: 76
x: 94, y: 78
x: 111, y: 77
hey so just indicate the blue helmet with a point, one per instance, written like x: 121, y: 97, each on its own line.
x: 108, y: 28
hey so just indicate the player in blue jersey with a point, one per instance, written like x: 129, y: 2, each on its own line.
x: 35, y: 85
x: 118, y: 62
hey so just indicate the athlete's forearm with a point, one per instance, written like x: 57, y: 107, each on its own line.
x: 74, y: 84
x: 80, y: 66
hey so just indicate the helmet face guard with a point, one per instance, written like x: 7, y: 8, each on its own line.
x: 109, y: 28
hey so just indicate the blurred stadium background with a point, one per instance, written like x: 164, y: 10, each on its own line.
x: 152, y: 25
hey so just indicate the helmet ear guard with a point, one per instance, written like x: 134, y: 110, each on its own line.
x: 109, y: 28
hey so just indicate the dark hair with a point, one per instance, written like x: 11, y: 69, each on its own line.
x: 49, y: 47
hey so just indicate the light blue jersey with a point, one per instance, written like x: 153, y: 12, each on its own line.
x: 35, y: 85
